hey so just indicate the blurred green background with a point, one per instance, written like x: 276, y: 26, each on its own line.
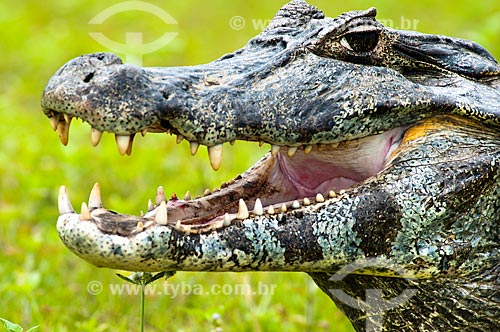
x: 41, y: 282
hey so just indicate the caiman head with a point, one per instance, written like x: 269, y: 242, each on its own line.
x: 384, y: 145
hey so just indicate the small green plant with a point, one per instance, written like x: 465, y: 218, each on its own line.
x: 142, y: 279
x: 11, y: 327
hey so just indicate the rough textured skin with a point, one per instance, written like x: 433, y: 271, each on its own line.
x: 429, y: 220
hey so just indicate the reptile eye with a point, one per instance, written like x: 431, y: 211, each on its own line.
x: 360, y: 42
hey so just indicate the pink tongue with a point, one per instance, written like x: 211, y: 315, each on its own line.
x: 310, y: 176
x: 334, y: 168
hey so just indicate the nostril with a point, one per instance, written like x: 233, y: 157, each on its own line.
x: 88, y: 78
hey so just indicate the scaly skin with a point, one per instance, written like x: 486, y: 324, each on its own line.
x: 426, y: 219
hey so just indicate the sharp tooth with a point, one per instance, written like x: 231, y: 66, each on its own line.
x: 131, y: 142
x: 332, y: 194
x: 270, y: 210
x: 194, y: 147
x: 215, y: 155
x: 63, y: 131
x: 122, y: 142
x: 291, y: 151
x: 67, y: 118
x: 257, y: 208
x: 140, y: 226
x: 227, y: 219
x: 261, y: 143
x: 295, y: 204
x: 178, y: 226
x: 320, y: 198
x: 173, y: 197
x: 160, y: 196
x: 95, y: 136
x: 206, y: 192
x: 161, y: 214
x: 275, y: 149
x: 242, y: 210
x: 144, y: 132
x: 95, y: 201
x: 307, y: 201
x: 150, y: 205
x: 232, y: 142
x: 63, y: 201
x: 308, y: 149
x: 54, y: 121
x: 85, y: 213
x: 179, y: 139
x: 283, y: 208
x: 187, y: 196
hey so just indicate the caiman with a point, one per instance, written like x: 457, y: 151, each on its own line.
x: 382, y: 183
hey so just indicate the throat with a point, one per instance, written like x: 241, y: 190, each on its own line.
x: 335, y: 166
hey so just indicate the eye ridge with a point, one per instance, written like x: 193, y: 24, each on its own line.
x: 360, y: 42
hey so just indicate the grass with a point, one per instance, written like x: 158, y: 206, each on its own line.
x: 41, y: 282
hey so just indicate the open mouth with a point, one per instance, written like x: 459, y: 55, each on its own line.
x: 285, y: 179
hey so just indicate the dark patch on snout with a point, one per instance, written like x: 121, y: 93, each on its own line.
x: 378, y: 221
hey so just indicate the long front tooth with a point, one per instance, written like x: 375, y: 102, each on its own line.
x: 215, y: 155
x: 95, y: 201
x: 193, y: 146
x: 160, y: 196
x: 67, y: 118
x: 131, y: 142
x: 242, y: 210
x: 161, y: 217
x: 95, y: 136
x: 63, y: 131
x: 63, y: 201
x: 54, y: 121
x: 85, y: 213
x: 291, y: 151
x: 257, y: 208
x: 275, y: 149
x: 122, y: 142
